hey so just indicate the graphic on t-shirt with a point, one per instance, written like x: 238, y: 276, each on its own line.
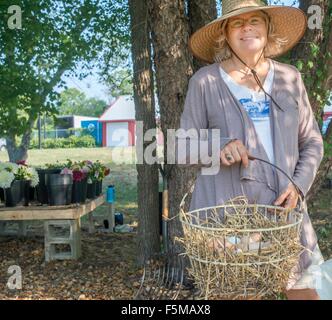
x: 257, y: 110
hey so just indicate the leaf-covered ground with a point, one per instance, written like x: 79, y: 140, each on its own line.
x: 106, y: 269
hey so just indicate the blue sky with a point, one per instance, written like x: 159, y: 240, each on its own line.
x: 92, y: 88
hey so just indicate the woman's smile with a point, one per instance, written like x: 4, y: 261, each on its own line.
x: 248, y: 38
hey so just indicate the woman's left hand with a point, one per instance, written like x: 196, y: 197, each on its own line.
x: 289, y: 198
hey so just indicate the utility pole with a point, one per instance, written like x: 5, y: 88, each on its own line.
x: 39, y: 131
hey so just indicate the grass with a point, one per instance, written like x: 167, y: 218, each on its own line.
x: 114, y: 155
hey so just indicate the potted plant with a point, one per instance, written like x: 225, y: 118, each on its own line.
x: 92, y: 181
x: 103, y: 172
x: 95, y: 178
x: 29, y: 180
x: 11, y: 188
x: 15, y: 179
x: 79, y: 172
x: 55, y: 168
x: 59, y: 187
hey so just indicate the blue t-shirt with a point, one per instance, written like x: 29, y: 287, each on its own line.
x: 257, y: 107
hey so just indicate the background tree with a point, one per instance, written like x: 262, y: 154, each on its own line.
x: 75, y: 102
x: 147, y: 175
x: 119, y: 82
x: 55, y: 38
x: 200, y: 13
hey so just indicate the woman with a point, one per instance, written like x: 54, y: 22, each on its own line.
x: 261, y: 108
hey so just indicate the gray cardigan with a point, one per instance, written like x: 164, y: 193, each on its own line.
x: 297, y: 142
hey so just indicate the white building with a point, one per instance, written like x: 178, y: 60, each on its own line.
x: 119, y: 123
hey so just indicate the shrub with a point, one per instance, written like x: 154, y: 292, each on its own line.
x: 85, y: 141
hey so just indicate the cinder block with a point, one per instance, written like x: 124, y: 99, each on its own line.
x: 21, y: 231
x: 72, y: 238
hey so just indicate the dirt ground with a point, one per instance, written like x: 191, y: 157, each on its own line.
x: 107, y: 267
x: 105, y: 270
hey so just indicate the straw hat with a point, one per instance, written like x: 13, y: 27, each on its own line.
x: 289, y: 23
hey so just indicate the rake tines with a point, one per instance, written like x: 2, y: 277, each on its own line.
x: 162, y: 278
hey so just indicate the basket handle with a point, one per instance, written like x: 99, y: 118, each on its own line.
x: 250, y: 157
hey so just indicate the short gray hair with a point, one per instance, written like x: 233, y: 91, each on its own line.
x: 274, y: 44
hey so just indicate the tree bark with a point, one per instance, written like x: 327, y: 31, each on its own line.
x: 200, y: 13
x: 15, y: 152
x: 173, y: 65
x: 147, y: 175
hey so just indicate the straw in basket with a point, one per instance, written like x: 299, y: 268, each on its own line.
x: 239, y: 250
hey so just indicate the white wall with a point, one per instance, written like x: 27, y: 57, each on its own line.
x: 117, y: 134
x: 78, y: 119
x: 122, y: 109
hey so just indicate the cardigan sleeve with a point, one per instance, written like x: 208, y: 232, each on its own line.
x: 196, y: 143
x: 311, y: 148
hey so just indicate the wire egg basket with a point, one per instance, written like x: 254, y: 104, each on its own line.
x: 240, y: 250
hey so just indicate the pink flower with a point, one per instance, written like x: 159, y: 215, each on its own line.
x: 22, y: 163
x: 66, y: 171
x: 78, y: 175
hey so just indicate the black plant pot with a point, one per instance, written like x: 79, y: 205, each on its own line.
x: 59, y: 189
x: 2, y: 195
x: 99, y: 188
x: 79, y: 191
x: 41, y: 188
x: 14, y: 194
x: 92, y: 187
x: 26, y: 186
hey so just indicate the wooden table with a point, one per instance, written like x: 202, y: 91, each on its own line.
x: 58, y: 216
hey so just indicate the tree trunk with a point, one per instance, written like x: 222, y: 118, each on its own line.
x: 200, y: 13
x: 147, y: 175
x: 19, y: 153
x: 322, y: 38
x: 173, y: 65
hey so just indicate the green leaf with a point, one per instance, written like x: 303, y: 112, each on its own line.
x: 299, y: 65
x: 310, y: 64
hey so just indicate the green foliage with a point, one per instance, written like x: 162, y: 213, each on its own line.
x: 325, y: 231
x: 119, y: 82
x: 327, y: 149
x: 85, y: 141
x: 55, y: 165
x: 56, y: 38
x: 315, y: 71
x: 75, y: 102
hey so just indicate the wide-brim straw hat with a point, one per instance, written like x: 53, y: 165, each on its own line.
x: 289, y: 22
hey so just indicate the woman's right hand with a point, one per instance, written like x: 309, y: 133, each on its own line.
x: 234, y: 152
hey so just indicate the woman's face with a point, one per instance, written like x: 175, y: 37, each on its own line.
x: 247, y: 33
